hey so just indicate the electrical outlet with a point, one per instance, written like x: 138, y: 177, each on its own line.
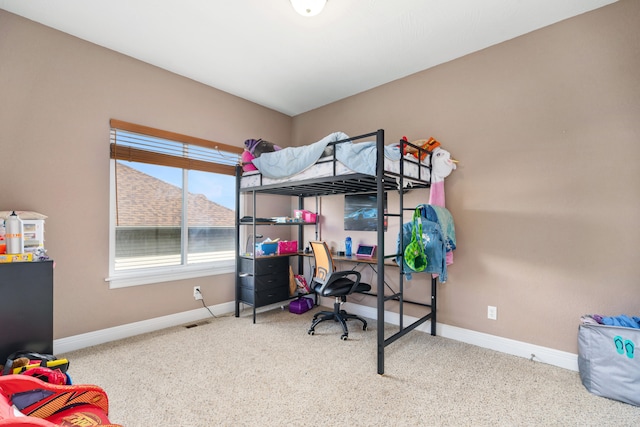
x: 196, y: 293
x: 492, y: 312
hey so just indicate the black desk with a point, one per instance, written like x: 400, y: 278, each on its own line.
x: 362, y: 260
x: 372, y: 262
x: 353, y: 258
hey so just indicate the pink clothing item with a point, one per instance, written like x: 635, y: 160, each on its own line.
x: 436, y: 198
x: 436, y: 194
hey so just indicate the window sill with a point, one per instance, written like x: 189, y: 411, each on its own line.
x: 128, y: 279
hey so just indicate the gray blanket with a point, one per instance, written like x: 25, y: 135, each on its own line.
x: 359, y: 157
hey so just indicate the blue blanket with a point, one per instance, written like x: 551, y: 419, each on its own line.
x: 359, y: 157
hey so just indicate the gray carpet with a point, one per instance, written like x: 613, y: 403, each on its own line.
x: 228, y: 371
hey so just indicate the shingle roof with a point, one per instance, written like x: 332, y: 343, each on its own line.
x: 147, y: 201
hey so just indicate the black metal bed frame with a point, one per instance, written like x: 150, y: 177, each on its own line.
x: 361, y: 183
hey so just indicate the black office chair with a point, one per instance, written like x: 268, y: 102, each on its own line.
x: 329, y: 283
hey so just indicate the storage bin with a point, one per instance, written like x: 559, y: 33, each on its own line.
x: 287, y: 247
x: 309, y: 217
x: 269, y: 248
x: 304, y: 215
x: 607, y: 361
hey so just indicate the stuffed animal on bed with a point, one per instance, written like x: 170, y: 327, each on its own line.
x: 259, y: 146
x: 442, y: 164
x: 426, y: 144
x: 254, y: 148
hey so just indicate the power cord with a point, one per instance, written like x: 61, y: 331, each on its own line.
x: 204, y: 304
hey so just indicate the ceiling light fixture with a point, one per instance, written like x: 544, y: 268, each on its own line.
x: 308, y: 7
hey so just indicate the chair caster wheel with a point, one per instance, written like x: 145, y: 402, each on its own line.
x: 344, y: 337
x: 311, y: 332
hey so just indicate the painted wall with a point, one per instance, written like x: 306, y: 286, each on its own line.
x: 546, y: 198
x: 57, y: 95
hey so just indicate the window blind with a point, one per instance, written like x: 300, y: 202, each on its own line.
x: 137, y: 143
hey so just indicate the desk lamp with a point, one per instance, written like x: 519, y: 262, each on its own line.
x: 257, y: 236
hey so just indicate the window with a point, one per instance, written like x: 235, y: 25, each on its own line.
x: 172, y: 206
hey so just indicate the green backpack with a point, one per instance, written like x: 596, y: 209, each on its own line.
x: 414, y: 254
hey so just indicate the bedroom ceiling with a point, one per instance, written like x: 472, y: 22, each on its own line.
x: 263, y: 51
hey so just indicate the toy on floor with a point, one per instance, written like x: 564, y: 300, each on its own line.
x: 24, y: 361
x: 45, y: 367
x: 28, y: 401
x: 13, y: 364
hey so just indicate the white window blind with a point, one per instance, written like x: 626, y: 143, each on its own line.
x: 136, y: 143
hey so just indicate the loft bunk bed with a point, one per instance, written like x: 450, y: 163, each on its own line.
x: 329, y: 175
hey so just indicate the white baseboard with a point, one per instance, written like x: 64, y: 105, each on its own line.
x: 76, y: 342
x: 533, y: 352
x: 536, y: 353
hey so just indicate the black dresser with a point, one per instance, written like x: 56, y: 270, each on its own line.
x: 263, y: 281
x: 26, y: 307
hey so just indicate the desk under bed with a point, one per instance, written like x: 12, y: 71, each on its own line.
x: 336, y: 179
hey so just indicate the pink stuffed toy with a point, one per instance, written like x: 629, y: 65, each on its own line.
x: 247, y: 159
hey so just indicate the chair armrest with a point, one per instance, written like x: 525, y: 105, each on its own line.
x: 344, y: 274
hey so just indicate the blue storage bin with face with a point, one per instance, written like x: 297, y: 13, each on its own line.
x: 269, y: 248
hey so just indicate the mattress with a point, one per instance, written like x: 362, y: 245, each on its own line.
x: 324, y: 168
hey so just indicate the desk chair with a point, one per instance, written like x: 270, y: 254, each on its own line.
x: 330, y: 283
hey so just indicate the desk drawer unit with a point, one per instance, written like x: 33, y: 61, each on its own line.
x: 266, y: 265
x: 263, y: 297
x: 269, y: 283
x: 261, y: 283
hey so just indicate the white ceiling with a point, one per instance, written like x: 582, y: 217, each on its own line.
x: 261, y: 50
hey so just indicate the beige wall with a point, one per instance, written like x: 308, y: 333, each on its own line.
x: 545, y: 200
x: 57, y: 96
x: 547, y: 196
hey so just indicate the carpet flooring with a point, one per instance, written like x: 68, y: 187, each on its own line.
x: 227, y: 371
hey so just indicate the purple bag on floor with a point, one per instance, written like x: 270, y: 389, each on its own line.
x: 301, y: 305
